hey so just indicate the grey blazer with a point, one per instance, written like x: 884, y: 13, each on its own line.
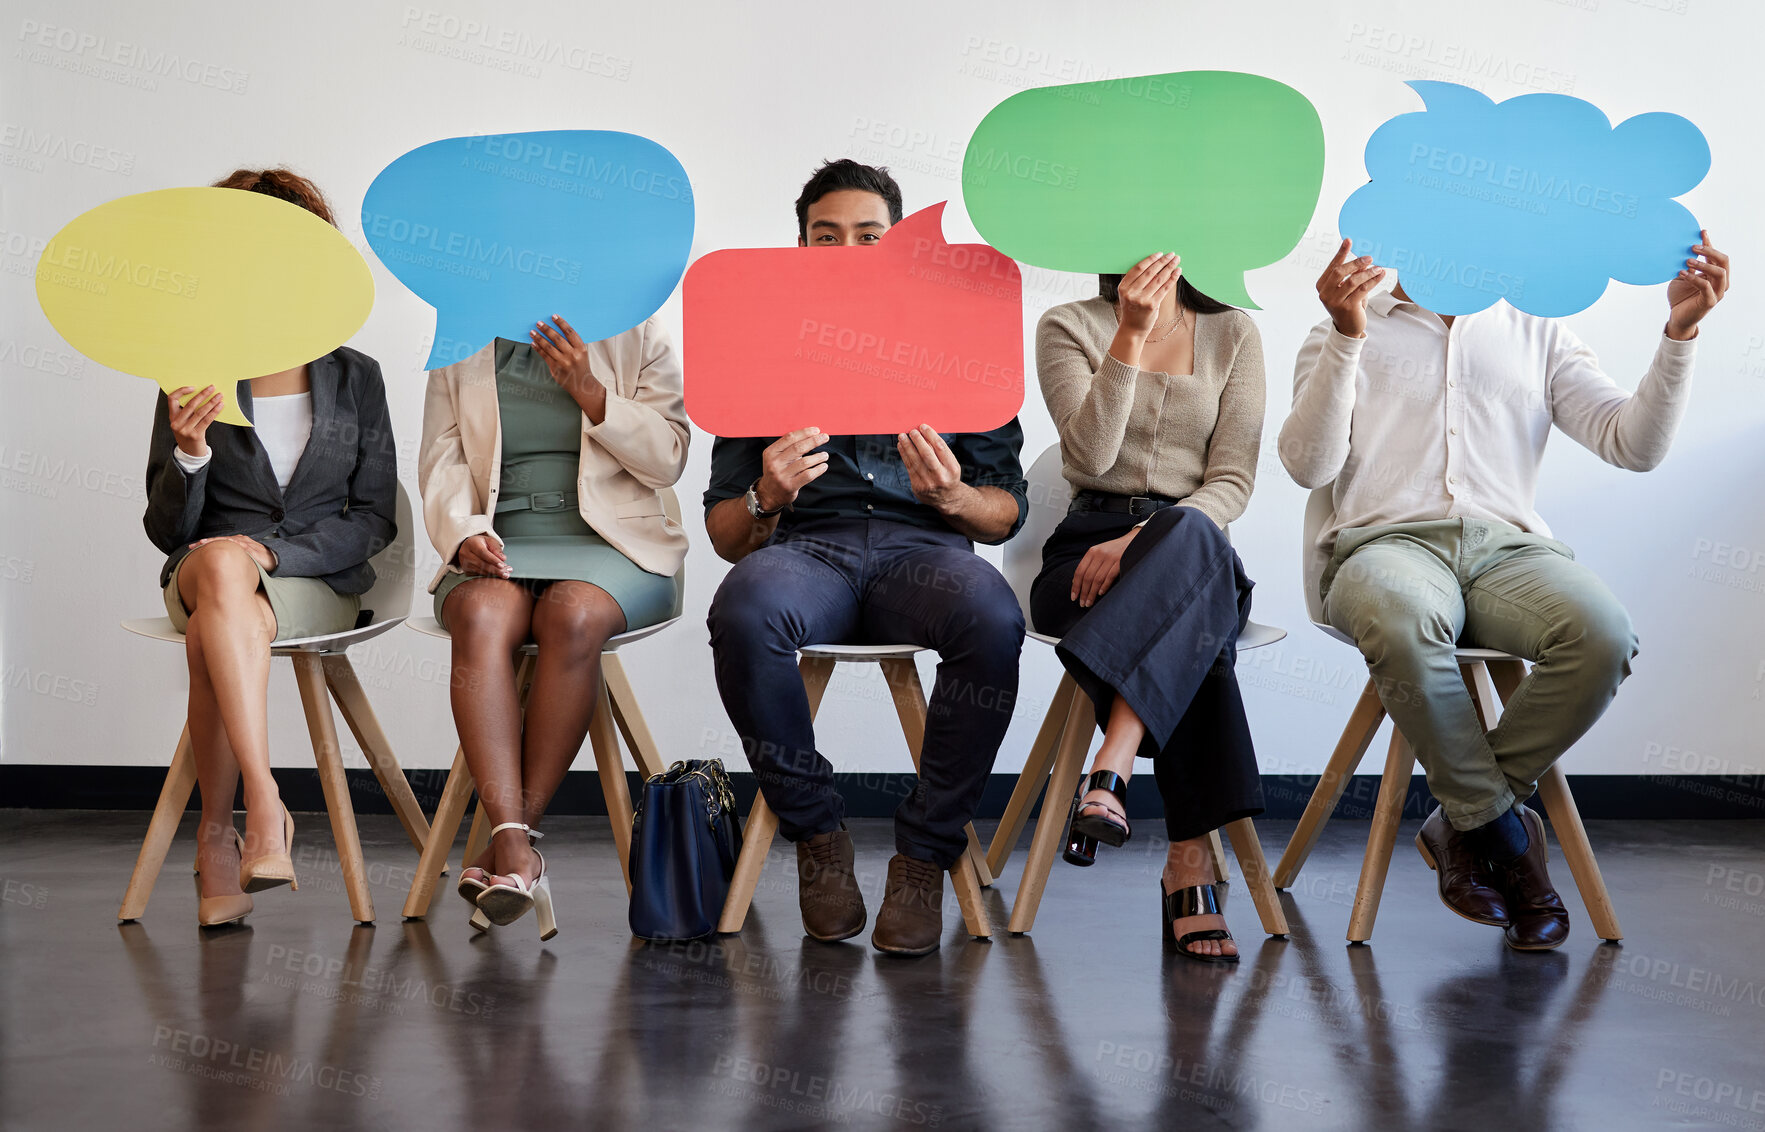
x: 340, y: 506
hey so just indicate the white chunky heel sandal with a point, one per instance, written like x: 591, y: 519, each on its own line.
x: 507, y: 898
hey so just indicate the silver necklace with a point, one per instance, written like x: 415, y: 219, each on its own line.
x: 1179, y: 320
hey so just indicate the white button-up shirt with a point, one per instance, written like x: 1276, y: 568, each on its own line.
x: 1421, y: 421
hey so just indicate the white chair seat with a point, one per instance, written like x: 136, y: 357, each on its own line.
x: 1459, y: 654
x: 430, y: 627
x: 861, y: 652
x: 1255, y: 636
x: 160, y: 629
x: 391, y: 595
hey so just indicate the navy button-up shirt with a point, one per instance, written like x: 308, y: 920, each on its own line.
x: 865, y: 478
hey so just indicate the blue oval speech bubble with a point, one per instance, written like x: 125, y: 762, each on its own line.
x: 1538, y: 200
x: 500, y: 231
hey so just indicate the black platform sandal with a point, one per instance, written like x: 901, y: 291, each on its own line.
x: 1084, y: 831
x: 1197, y: 900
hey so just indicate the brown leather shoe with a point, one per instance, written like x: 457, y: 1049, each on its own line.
x: 827, y: 888
x: 912, y: 915
x: 1467, y: 883
x: 1539, y: 920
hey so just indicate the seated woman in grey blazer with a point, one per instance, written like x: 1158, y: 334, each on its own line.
x: 269, y: 530
x: 1157, y: 391
x: 542, y: 470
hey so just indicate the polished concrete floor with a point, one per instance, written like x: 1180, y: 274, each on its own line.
x: 304, y: 1020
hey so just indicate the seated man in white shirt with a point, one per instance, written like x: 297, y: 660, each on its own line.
x: 1432, y: 428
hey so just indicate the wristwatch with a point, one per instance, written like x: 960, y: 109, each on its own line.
x: 752, y: 499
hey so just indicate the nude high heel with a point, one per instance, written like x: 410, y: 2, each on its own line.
x: 217, y: 911
x: 267, y: 870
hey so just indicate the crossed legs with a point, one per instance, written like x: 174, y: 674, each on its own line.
x: 1407, y: 607
x: 227, y: 646
x: 1187, y: 863
x: 518, y: 764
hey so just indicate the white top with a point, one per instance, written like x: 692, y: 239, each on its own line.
x: 1419, y: 421
x: 284, y: 425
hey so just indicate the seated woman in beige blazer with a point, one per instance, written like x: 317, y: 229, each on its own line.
x: 542, y: 469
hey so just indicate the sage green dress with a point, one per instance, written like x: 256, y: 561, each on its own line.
x: 542, y: 452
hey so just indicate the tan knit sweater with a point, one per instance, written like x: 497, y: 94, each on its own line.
x: 1136, y: 432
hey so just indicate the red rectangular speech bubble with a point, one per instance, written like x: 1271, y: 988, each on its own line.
x: 855, y: 340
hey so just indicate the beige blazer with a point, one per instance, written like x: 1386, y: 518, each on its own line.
x: 638, y: 449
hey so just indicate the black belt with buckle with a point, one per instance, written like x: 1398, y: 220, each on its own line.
x: 1120, y: 504
x: 541, y: 501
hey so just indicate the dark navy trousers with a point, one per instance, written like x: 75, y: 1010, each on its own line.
x: 1165, y: 638
x: 856, y: 581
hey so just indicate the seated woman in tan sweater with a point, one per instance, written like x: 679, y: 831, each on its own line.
x: 1157, y: 391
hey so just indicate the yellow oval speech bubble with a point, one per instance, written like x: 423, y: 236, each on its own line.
x: 203, y: 286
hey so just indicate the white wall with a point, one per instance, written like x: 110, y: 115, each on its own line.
x: 750, y: 98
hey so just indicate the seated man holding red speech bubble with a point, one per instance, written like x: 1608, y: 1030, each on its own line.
x: 858, y: 539
x: 1432, y: 429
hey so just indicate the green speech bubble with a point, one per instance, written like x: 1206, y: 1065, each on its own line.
x: 1222, y: 168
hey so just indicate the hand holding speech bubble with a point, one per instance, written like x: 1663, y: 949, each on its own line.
x: 203, y: 286
x: 855, y: 340
x: 1538, y: 200
x: 499, y: 231
x: 1222, y: 168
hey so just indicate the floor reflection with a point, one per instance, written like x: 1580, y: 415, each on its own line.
x: 304, y: 1020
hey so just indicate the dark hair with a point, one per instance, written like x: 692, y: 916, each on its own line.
x: 1186, y: 295
x: 283, y: 184
x: 847, y: 174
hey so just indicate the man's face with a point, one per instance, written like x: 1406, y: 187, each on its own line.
x: 846, y: 218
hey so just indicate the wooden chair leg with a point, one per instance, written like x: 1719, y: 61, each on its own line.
x: 477, y: 836
x: 174, y: 795
x: 1033, y: 782
x: 1387, y: 812
x: 358, y: 713
x: 448, y: 812
x: 1256, y: 876
x: 762, y: 824
x: 1565, y: 818
x: 908, y: 694
x: 1218, y: 852
x: 629, y: 717
x: 1063, y: 782
x: 309, y: 674
x: 604, y: 737
x: 756, y: 843
x: 1479, y: 683
x: 816, y: 672
x: 1559, y: 806
x: 1363, y: 724
x: 965, y: 883
x: 965, y: 877
x: 977, y: 857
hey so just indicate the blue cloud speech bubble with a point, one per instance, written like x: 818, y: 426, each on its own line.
x: 1538, y: 200
x: 499, y: 231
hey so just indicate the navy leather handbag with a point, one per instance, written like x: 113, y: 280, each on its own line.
x: 685, y: 838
